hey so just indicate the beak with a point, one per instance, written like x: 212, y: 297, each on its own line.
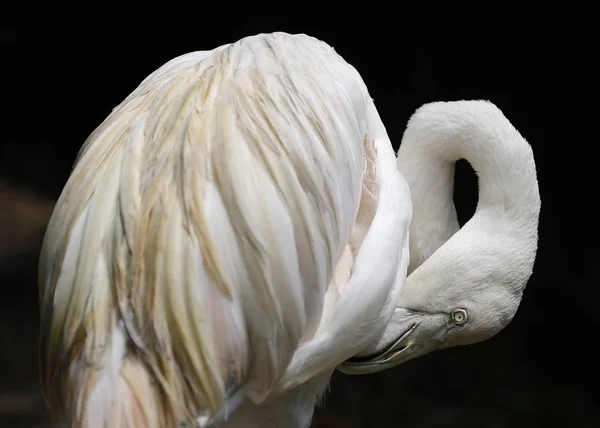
x: 408, y: 335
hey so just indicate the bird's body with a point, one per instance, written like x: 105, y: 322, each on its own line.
x: 233, y: 231
x: 238, y: 227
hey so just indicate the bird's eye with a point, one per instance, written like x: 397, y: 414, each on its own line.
x: 459, y: 316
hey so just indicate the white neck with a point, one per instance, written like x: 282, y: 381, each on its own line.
x: 436, y: 137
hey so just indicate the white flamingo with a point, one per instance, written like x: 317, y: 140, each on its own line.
x: 237, y: 228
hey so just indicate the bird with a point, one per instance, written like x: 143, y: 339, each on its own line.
x: 231, y: 233
x: 464, y: 285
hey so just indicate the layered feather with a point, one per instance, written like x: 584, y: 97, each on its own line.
x: 191, y: 249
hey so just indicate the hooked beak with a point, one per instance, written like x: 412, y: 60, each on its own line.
x: 408, y: 335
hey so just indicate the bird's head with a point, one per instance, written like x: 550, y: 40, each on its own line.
x: 466, y: 292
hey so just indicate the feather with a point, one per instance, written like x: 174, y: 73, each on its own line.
x: 196, y: 239
x: 378, y: 269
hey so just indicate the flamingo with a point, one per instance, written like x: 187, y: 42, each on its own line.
x: 238, y: 228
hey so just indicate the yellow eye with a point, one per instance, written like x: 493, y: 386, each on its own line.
x: 459, y: 316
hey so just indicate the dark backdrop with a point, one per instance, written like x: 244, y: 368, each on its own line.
x: 66, y: 65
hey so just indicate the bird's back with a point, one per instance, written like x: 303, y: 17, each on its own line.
x: 193, y: 244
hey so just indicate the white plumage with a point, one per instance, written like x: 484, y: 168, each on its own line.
x: 238, y: 228
x: 233, y: 231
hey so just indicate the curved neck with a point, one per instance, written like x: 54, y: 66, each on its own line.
x: 436, y: 137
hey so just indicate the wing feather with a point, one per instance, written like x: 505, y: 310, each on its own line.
x: 201, y: 227
x: 357, y: 313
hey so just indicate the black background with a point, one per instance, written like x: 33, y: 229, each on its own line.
x: 66, y: 65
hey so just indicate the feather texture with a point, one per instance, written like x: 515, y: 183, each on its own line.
x: 192, y: 248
